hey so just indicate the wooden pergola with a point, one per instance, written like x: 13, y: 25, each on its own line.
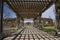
x: 31, y: 8
x: 28, y: 8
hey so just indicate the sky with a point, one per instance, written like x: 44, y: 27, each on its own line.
x: 49, y: 13
x: 28, y: 20
x: 7, y: 12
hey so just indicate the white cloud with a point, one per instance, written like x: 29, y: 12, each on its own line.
x: 49, y: 13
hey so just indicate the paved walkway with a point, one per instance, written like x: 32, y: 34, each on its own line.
x: 31, y: 33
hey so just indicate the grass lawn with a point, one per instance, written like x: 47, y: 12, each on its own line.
x: 50, y: 30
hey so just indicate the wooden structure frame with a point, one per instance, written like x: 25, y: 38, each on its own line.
x: 28, y: 8
x: 40, y: 6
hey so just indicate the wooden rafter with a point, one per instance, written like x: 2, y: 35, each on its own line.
x: 28, y: 6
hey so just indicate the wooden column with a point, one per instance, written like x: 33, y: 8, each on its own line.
x: 33, y: 22
x: 36, y: 22
x: 22, y: 22
x: 1, y: 15
x: 18, y: 22
x: 40, y: 24
x: 56, y: 12
x: 39, y: 20
x: 1, y: 22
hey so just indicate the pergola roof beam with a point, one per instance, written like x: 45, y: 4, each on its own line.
x: 28, y: 6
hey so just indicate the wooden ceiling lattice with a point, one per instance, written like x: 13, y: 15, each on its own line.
x: 27, y: 6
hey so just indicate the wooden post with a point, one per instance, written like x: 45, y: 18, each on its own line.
x: 22, y: 22
x: 40, y: 24
x: 1, y: 16
x: 34, y: 22
x: 18, y: 22
x: 56, y: 10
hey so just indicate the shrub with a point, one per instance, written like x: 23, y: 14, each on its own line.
x: 51, y: 24
x: 49, y: 30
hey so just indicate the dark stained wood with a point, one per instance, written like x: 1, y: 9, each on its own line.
x: 27, y: 6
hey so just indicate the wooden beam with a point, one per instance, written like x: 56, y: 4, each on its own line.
x: 44, y: 9
x: 38, y: 8
x: 30, y: 1
x: 7, y: 3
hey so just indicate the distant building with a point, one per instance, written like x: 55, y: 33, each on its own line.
x: 46, y: 20
x: 9, y: 22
